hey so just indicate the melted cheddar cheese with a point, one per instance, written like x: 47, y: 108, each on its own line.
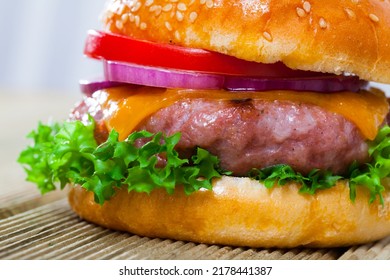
x: 125, y: 108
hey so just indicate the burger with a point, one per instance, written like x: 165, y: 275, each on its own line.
x: 233, y: 122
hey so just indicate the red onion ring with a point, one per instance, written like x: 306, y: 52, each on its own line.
x: 120, y: 72
x: 160, y: 77
x: 324, y: 84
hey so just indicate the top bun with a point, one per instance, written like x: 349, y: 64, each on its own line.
x: 332, y: 36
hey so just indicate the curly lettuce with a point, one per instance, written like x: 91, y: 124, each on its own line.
x: 69, y: 154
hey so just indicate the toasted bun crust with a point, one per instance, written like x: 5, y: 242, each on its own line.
x: 331, y: 36
x: 242, y: 212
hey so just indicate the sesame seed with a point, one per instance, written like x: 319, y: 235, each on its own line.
x: 136, y: 7
x: 173, y: 1
x: 355, y: 1
x: 167, y: 7
x: 177, y: 35
x: 143, y: 26
x: 350, y: 13
x: 301, y: 12
x: 181, y: 7
x: 209, y: 4
x: 323, y: 24
x: 179, y: 16
x: 149, y: 3
x: 307, y: 6
x: 168, y: 26
x: 125, y: 18
x: 202, y: 2
x: 267, y: 36
x: 193, y: 16
x: 131, y: 17
x: 119, y: 24
x: 373, y: 17
x: 192, y: 2
x: 137, y: 20
x: 156, y: 9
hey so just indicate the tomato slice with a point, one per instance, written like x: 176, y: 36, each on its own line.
x: 114, y: 47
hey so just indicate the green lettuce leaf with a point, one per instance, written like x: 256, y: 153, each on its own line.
x: 372, y: 174
x: 69, y: 154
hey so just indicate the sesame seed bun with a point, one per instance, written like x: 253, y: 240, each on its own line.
x: 242, y: 212
x: 324, y: 36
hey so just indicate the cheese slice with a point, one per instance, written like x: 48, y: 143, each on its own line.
x: 125, y: 108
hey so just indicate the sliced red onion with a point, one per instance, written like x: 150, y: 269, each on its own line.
x: 318, y: 84
x: 88, y: 87
x: 160, y: 77
x: 120, y: 72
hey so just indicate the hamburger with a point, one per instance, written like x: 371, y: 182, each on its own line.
x: 242, y: 123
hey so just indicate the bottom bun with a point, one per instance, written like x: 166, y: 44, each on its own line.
x: 242, y: 212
